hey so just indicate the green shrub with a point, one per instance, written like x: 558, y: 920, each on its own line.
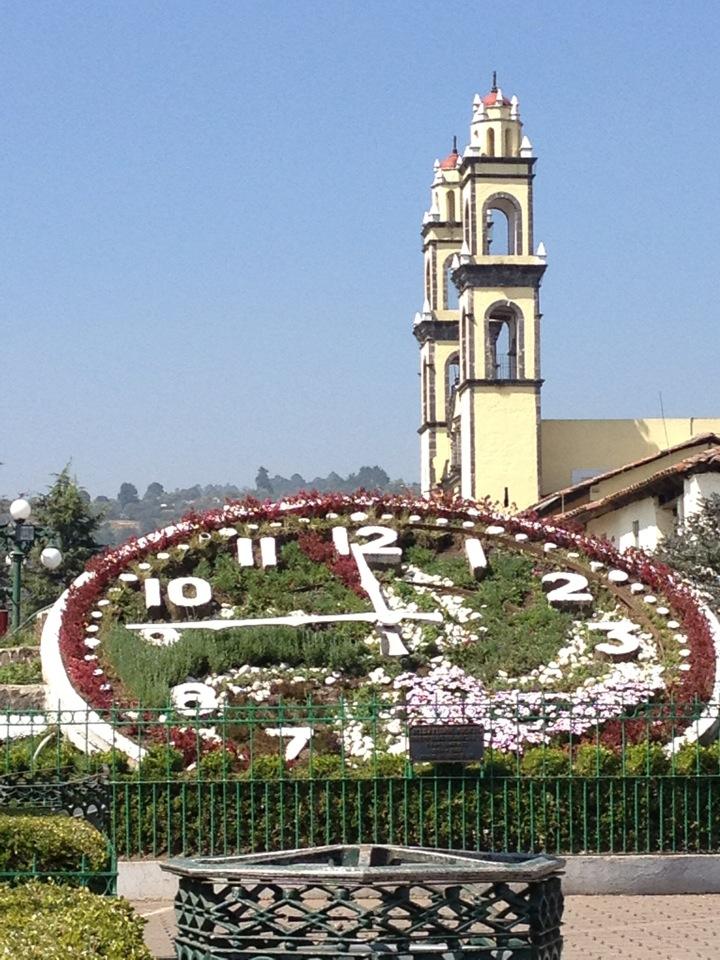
x: 60, y: 923
x: 498, y: 764
x: 692, y: 760
x: 545, y: 762
x: 21, y: 671
x: 595, y: 761
x: 50, y: 843
x: 645, y: 759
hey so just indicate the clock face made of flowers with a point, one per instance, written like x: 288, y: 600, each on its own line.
x: 437, y: 611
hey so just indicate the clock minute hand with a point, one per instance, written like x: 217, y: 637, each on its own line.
x: 295, y: 620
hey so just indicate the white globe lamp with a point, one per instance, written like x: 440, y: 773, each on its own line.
x: 51, y: 558
x: 20, y: 509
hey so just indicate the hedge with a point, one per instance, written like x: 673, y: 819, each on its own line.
x: 62, y: 923
x: 48, y: 844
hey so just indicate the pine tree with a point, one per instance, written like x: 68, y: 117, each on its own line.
x: 694, y: 549
x: 71, y: 524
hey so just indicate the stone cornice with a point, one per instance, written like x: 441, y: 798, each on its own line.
x: 498, y: 275
x: 443, y: 330
x: 467, y: 384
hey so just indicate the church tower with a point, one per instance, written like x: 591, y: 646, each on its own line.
x: 479, y: 329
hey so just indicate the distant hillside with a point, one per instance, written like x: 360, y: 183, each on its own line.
x: 128, y: 514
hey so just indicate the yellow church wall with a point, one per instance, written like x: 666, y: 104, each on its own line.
x: 601, y: 445
x: 442, y: 455
x: 506, y: 444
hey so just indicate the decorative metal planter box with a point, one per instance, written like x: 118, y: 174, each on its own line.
x: 362, y: 900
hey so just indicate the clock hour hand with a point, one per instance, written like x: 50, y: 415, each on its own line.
x: 391, y: 642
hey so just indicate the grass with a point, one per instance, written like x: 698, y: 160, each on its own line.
x: 21, y: 671
x: 148, y: 672
x: 523, y: 631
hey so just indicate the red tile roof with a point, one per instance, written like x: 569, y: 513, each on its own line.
x: 706, y: 461
x: 450, y: 161
x: 490, y: 99
x: 546, y: 506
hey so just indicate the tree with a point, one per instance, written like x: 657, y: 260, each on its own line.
x: 262, y: 481
x: 154, y: 491
x: 694, y: 549
x: 369, y: 478
x: 127, y: 494
x: 72, y: 525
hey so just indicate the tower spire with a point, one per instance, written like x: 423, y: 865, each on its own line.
x: 494, y: 82
x: 455, y: 149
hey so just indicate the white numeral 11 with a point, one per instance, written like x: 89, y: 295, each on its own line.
x: 245, y: 554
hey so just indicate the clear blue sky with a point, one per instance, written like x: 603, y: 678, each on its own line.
x: 210, y: 222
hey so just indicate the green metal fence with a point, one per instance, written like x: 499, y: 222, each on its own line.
x: 618, y: 791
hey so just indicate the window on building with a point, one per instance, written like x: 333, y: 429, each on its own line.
x: 451, y: 205
x: 451, y: 297
x: 502, y: 346
x: 579, y: 474
x: 491, y: 142
x: 502, y: 228
x: 452, y: 376
x: 508, y: 143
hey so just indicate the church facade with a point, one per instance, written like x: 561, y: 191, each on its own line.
x: 479, y: 331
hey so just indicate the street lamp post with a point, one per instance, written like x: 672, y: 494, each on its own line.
x: 19, y: 535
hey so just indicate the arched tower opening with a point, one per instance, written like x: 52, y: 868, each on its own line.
x: 452, y: 378
x: 502, y: 225
x: 502, y: 343
x: 451, y: 298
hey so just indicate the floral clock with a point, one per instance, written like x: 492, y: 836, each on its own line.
x: 440, y: 611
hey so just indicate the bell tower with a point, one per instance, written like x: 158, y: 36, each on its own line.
x: 480, y: 353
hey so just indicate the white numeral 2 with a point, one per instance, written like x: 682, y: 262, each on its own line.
x: 566, y: 590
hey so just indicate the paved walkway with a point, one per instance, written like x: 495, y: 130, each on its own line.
x: 596, y: 928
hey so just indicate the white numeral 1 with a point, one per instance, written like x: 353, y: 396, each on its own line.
x: 153, y: 597
x: 341, y: 541
x: 476, y: 557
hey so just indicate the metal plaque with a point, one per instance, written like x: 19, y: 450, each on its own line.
x: 446, y: 743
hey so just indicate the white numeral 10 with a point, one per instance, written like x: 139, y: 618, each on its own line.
x: 181, y: 592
